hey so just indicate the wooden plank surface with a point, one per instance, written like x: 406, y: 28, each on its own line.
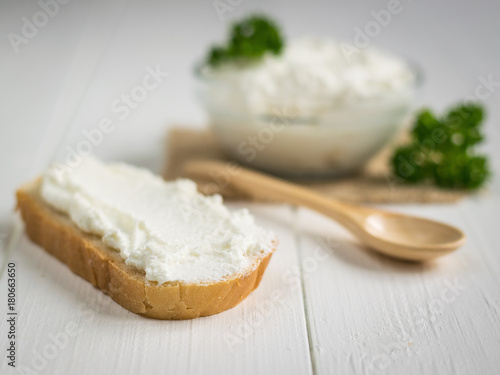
x: 68, y: 326
x: 369, y: 314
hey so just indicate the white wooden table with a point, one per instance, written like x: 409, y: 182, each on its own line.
x: 326, y: 305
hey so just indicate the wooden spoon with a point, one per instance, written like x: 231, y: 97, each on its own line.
x: 396, y: 235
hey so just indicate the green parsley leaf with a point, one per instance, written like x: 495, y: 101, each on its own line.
x: 249, y: 40
x: 442, y: 150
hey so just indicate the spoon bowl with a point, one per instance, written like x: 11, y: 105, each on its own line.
x: 410, y: 237
x: 397, y: 235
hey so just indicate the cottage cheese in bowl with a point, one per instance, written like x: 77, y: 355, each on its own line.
x: 312, y: 111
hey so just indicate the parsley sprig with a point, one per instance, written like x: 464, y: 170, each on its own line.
x: 442, y: 150
x: 249, y: 40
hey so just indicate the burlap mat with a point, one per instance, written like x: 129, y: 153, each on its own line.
x: 374, y: 185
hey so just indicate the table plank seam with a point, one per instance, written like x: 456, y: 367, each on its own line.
x: 298, y: 247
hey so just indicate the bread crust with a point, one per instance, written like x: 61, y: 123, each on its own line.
x: 103, y: 267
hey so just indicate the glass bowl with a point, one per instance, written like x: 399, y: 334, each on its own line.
x: 321, y: 139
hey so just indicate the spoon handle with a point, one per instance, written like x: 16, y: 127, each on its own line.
x: 397, y: 235
x: 258, y: 185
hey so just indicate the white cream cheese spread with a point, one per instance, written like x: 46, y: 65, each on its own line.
x: 313, y: 73
x: 315, y: 110
x: 166, y: 229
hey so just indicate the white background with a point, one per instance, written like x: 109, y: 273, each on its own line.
x: 347, y: 310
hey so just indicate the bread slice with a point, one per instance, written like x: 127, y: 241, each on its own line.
x: 87, y: 256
